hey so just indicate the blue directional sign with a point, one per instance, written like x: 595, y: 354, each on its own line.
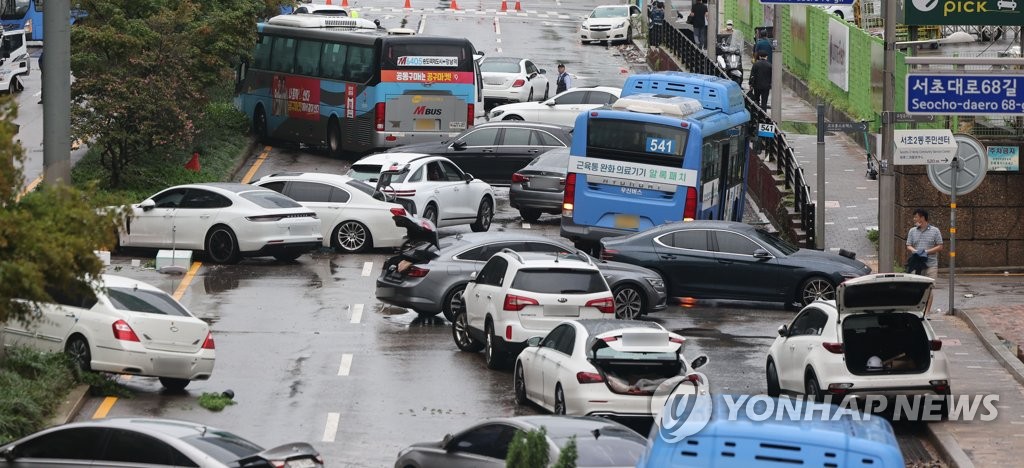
x: 808, y: 2
x: 946, y: 94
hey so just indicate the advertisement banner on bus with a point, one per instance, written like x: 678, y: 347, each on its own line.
x: 296, y: 97
x: 647, y: 173
x: 397, y: 76
x: 416, y: 61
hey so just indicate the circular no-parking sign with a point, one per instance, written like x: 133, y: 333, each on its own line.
x: 973, y: 161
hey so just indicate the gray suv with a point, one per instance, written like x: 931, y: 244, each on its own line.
x: 433, y: 286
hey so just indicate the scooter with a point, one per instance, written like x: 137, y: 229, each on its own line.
x: 729, y: 57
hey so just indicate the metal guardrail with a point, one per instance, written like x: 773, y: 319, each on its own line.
x: 776, y: 149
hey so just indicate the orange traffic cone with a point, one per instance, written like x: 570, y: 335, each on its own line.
x: 193, y: 164
x: 455, y: 6
x: 344, y: 3
x: 408, y: 4
x: 504, y: 5
x: 518, y: 7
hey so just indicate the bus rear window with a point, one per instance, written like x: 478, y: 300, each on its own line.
x: 639, y: 142
x: 424, y: 55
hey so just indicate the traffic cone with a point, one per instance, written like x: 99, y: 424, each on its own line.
x: 344, y: 3
x: 455, y: 5
x: 518, y: 7
x: 408, y: 4
x: 504, y: 5
x: 193, y: 164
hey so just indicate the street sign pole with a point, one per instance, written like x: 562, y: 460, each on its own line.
x: 952, y: 234
x: 886, y: 177
x: 819, y: 213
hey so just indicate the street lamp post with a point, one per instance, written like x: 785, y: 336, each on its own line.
x: 886, y: 177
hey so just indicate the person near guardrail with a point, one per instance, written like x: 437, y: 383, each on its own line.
x: 925, y: 240
x: 761, y: 81
x: 763, y: 46
x: 657, y: 20
x: 699, y: 19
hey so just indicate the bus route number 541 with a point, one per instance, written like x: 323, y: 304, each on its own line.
x: 660, y: 145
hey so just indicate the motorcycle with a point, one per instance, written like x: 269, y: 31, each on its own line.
x: 730, y: 59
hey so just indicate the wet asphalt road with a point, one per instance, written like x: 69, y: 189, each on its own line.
x: 312, y: 355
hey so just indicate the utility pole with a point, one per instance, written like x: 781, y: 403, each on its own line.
x: 776, y: 93
x: 712, y: 35
x: 886, y: 176
x: 56, y: 75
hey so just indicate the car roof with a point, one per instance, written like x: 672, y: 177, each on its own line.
x: 169, y: 427
x: 232, y: 187
x: 596, y: 327
x: 317, y: 176
x: 503, y: 59
x: 607, y: 89
x: 400, y: 158
x: 551, y: 260
x: 704, y: 224
x: 525, y: 124
x: 474, y: 239
x: 561, y: 427
x: 115, y: 281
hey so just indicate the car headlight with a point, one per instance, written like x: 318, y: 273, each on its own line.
x: 656, y: 283
x: 585, y: 27
x: 849, y: 274
x: 620, y: 25
x: 496, y: 113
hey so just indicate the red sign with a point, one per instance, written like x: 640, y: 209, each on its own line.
x: 296, y: 97
x: 399, y: 76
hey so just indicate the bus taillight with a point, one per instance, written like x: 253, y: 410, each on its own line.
x: 378, y: 119
x: 570, y: 195
x: 690, y: 211
x: 470, y: 115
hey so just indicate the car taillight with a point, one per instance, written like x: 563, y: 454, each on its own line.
x: 264, y: 218
x: 570, y: 195
x: 589, y: 377
x: 677, y: 340
x: 935, y: 345
x: 940, y: 386
x: 508, y: 333
x: 379, y: 112
x: 470, y: 115
x: 839, y: 388
x: 605, y: 305
x: 124, y: 332
x: 834, y: 348
x: 417, y: 272
x: 696, y: 379
x: 208, y: 342
x: 608, y: 254
x: 398, y: 211
x: 518, y: 83
x: 516, y: 303
x: 609, y: 339
x: 690, y: 211
x: 518, y: 178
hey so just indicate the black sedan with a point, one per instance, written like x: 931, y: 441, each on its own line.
x: 539, y: 187
x: 495, y: 150
x: 728, y: 260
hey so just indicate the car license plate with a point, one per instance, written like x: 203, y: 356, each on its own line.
x: 427, y: 125
x: 301, y: 463
x: 599, y: 34
x: 627, y: 221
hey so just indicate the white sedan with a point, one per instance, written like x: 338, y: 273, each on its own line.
x: 561, y: 109
x: 513, y: 79
x: 353, y: 215
x: 440, y: 190
x: 120, y: 325
x: 610, y: 23
x: 226, y: 220
x: 604, y: 367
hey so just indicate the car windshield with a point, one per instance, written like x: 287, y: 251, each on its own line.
x: 777, y: 242
x: 552, y: 158
x: 559, y: 281
x: 610, y: 12
x: 361, y: 186
x: 367, y: 172
x: 621, y: 449
x: 269, y: 199
x: 225, y: 447
x: 141, y: 300
x: 499, y: 66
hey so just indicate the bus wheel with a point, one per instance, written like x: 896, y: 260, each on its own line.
x: 259, y: 124
x: 334, y: 138
x: 16, y: 86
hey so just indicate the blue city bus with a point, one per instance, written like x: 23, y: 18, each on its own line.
x: 673, y: 147
x: 347, y: 85
x: 28, y: 15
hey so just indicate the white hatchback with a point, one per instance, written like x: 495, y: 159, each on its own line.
x: 608, y: 368
x: 440, y: 190
x: 122, y: 326
x: 518, y: 296
x: 561, y: 109
x: 873, y: 340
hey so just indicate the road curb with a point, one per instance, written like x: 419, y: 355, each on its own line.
x: 949, y: 449
x: 244, y: 158
x: 988, y: 338
x: 71, y: 405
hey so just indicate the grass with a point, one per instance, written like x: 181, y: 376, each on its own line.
x: 215, y: 401
x: 220, y: 143
x: 32, y: 385
x: 801, y: 128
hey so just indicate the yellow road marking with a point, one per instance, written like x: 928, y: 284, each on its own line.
x: 256, y: 165
x: 104, y: 408
x: 186, y: 280
x: 31, y: 186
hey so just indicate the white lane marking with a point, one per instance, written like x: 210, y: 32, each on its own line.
x: 357, y: 313
x: 829, y: 223
x: 346, y: 365
x: 851, y: 206
x: 423, y: 24
x: 367, y: 267
x: 851, y: 217
x: 961, y: 354
x: 526, y: 225
x: 331, y: 430
x: 853, y: 229
x: 873, y: 199
x: 497, y: 27
x: 498, y: 40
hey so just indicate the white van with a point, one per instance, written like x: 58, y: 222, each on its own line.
x: 14, y: 61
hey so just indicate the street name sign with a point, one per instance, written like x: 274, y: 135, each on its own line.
x: 900, y: 117
x: 847, y: 127
x: 946, y: 94
x: 924, y: 147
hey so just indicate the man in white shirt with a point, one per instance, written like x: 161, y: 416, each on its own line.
x: 564, y: 81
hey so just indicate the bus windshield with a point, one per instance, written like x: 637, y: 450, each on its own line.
x: 14, y: 9
x: 640, y: 141
x: 425, y: 55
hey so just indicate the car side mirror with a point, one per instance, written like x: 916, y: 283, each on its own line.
x: 550, y: 103
x: 8, y: 453
x: 543, y: 71
x: 467, y: 177
x: 533, y: 342
x: 762, y: 254
x: 147, y: 205
x: 446, y: 441
x: 472, y: 277
x: 699, y: 362
x: 459, y: 145
x: 783, y: 330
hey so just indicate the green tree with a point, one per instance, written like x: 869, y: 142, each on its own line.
x: 567, y: 459
x: 47, y: 237
x: 528, y: 450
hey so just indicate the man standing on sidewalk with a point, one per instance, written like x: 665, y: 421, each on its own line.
x: 761, y: 81
x: 657, y: 19
x: 925, y: 240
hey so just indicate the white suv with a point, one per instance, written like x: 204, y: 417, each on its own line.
x: 873, y: 340
x: 517, y: 296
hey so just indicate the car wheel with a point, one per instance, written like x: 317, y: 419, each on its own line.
x: 483, y: 215
x: 287, y: 257
x: 520, y: 385
x: 513, y: 117
x: 221, y: 245
x: 493, y: 357
x: 431, y: 213
x: 259, y: 125
x: 453, y: 304
x: 176, y: 385
x: 351, y: 237
x: 16, y: 85
x: 816, y: 287
x: 530, y: 216
x: 529, y: 98
x: 629, y: 302
x: 773, y: 379
x: 559, y: 400
x: 334, y: 138
x: 77, y: 350
x: 460, y: 333
x: 811, y: 386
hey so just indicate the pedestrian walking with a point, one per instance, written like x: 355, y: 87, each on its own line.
x: 761, y: 81
x: 40, y: 78
x: 564, y: 81
x: 763, y: 46
x: 699, y: 17
x: 924, y: 241
x: 657, y: 21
